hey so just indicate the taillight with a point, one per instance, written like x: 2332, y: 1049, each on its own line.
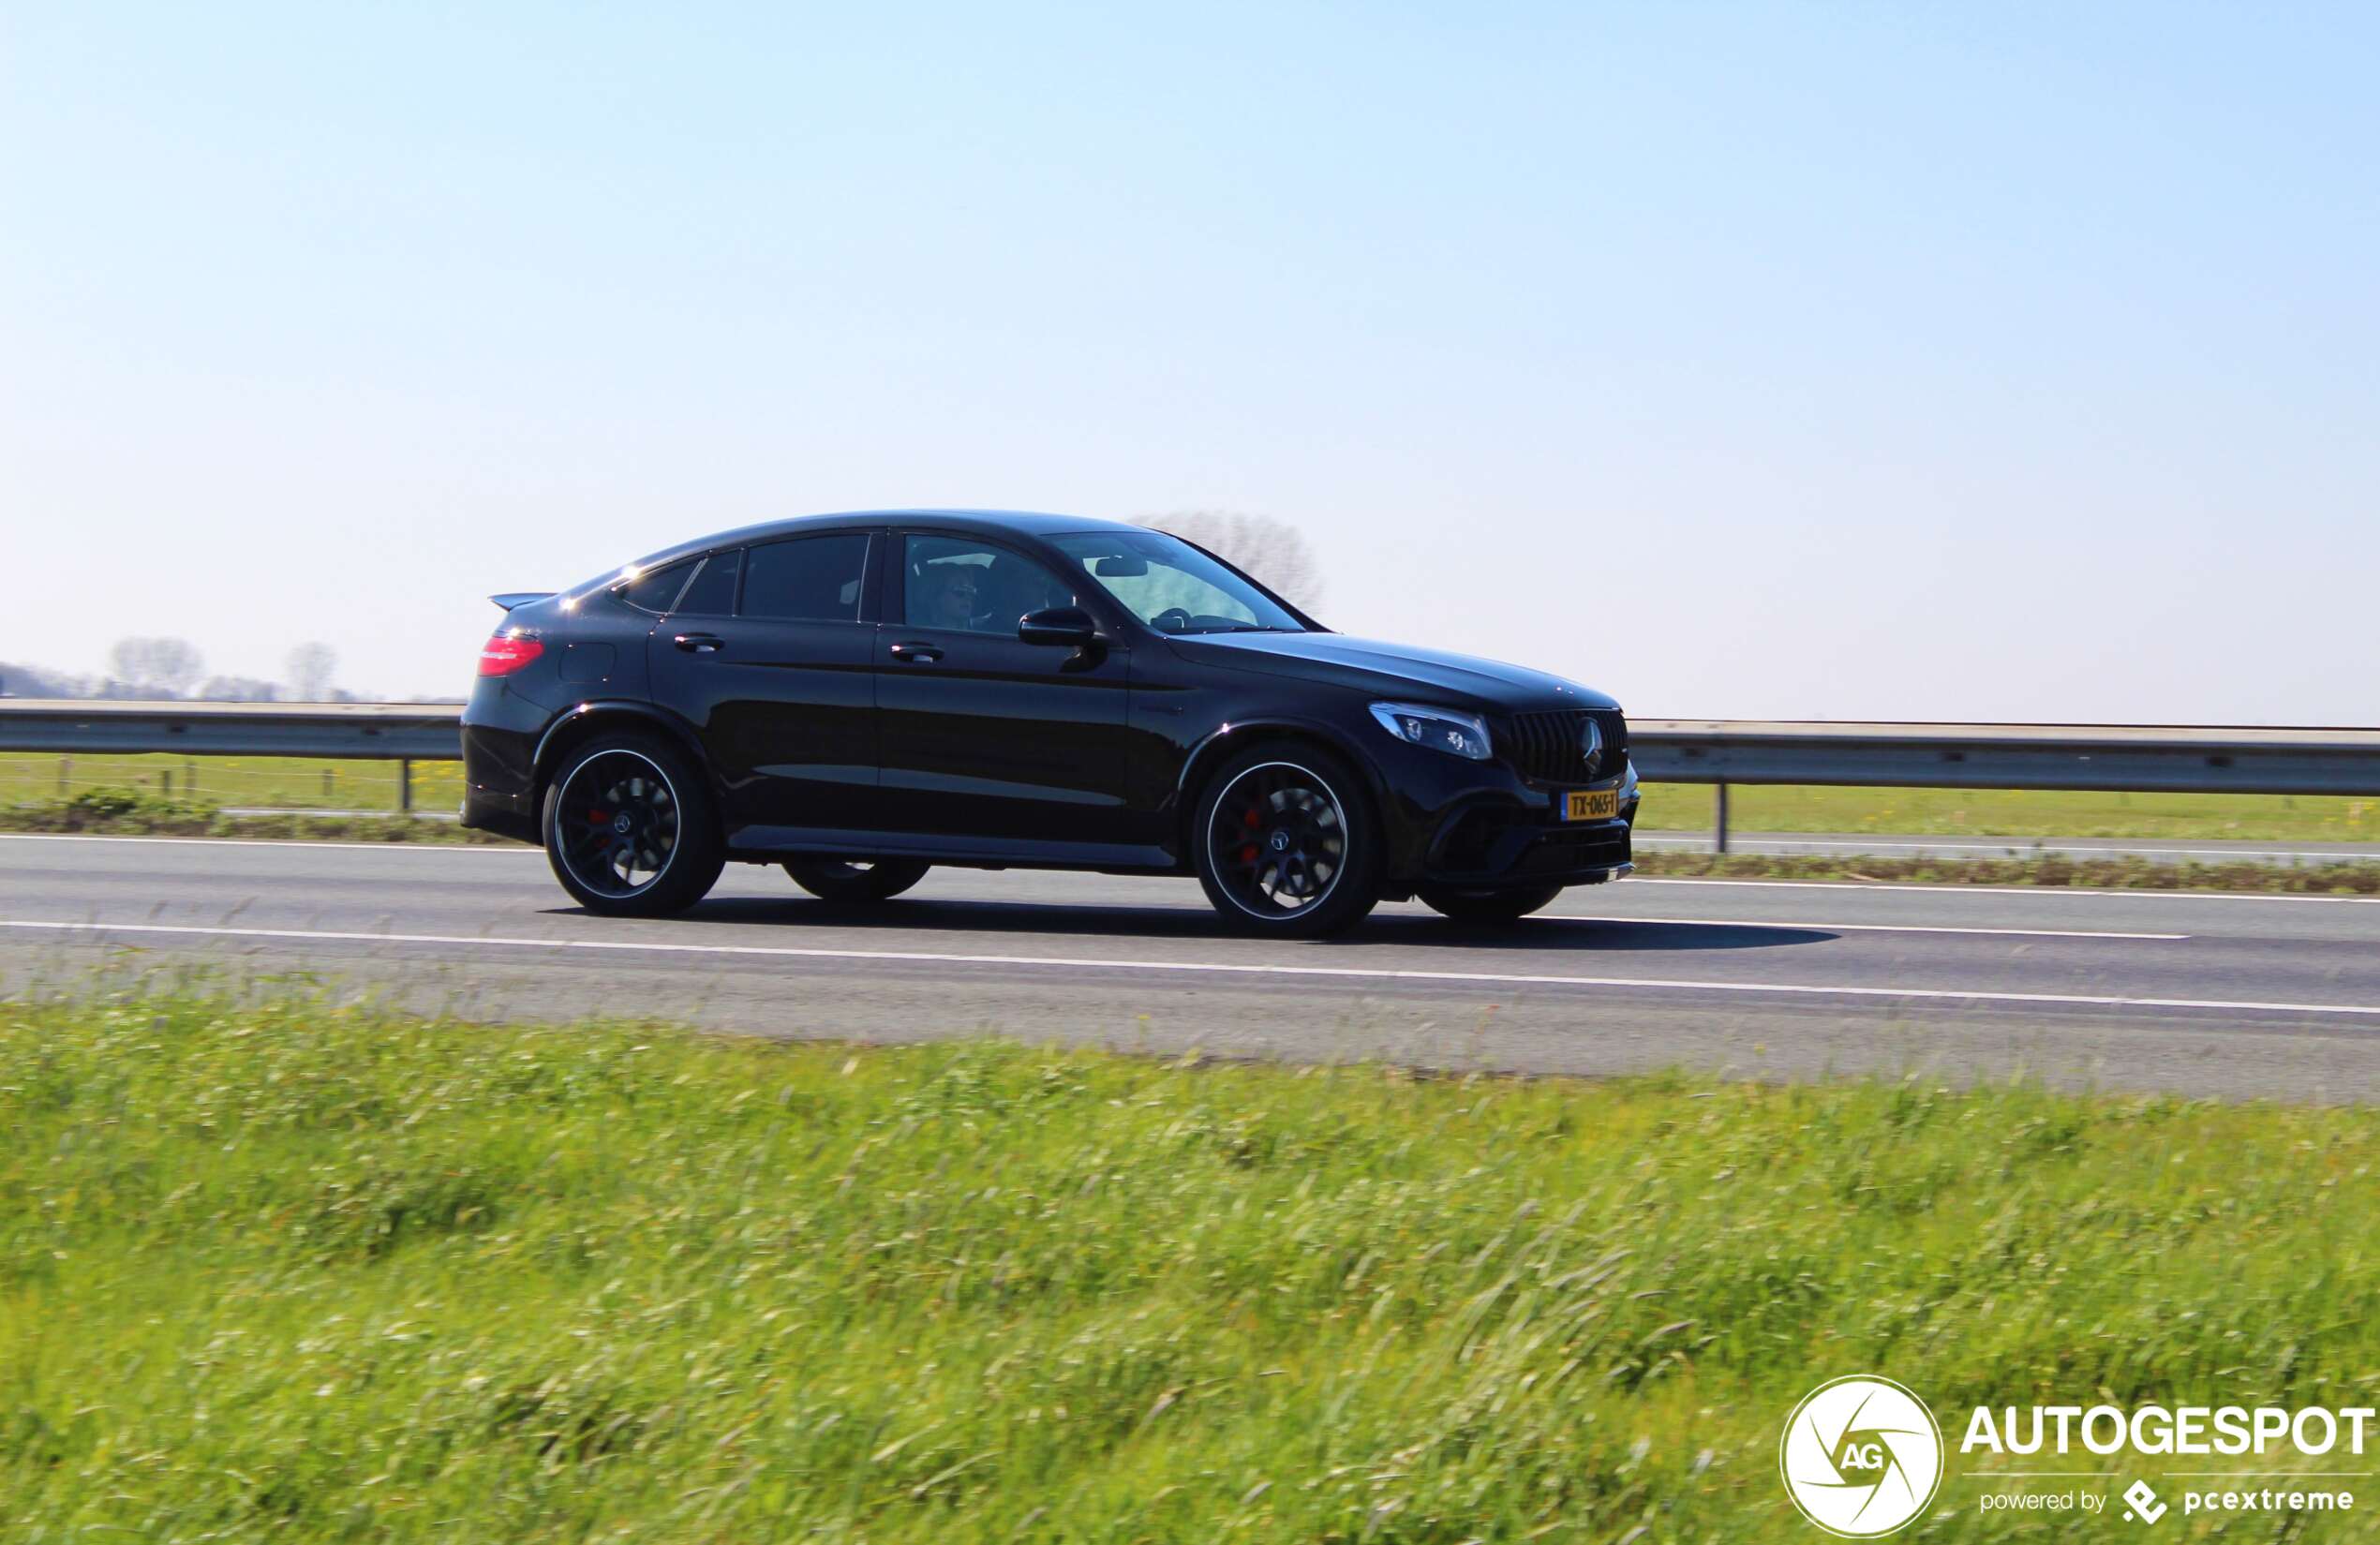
x: 505, y: 653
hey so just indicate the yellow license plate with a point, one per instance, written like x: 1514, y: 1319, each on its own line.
x: 1591, y: 805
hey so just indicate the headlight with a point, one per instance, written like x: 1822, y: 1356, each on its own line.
x: 1440, y: 729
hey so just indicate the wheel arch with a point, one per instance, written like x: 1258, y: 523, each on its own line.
x: 587, y: 721
x: 1198, y: 768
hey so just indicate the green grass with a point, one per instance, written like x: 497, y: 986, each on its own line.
x: 278, y: 782
x: 2347, y: 877
x: 133, y: 812
x: 283, y: 1271
x: 294, y: 783
x: 2017, y: 813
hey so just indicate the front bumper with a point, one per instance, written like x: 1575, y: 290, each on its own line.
x: 1483, y: 824
x: 1500, y: 843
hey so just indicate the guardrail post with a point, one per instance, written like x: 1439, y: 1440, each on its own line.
x: 66, y: 774
x: 1718, y: 819
x: 405, y: 785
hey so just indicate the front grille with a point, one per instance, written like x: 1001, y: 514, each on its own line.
x: 1549, y: 748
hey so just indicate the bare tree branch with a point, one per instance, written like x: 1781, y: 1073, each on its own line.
x: 1272, y: 550
x: 157, y: 667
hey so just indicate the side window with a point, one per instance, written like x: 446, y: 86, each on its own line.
x: 807, y: 579
x: 951, y: 583
x: 656, y: 591
x: 713, y: 592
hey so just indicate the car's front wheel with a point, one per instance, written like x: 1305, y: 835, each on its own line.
x: 836, y: 880
x: 628, y: 828
x: 1504, y: 904
x: 1285, y: 845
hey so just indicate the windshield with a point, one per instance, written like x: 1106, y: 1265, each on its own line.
x: 1174, y: 587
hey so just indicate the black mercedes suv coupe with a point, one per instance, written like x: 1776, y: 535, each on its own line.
x: 859, y: 697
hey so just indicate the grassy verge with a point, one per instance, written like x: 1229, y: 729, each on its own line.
x: 278, y: 781
x: 2019, y: 814
x: 132, y: 812
x: 2050, y: 872
x: 288, y: 1272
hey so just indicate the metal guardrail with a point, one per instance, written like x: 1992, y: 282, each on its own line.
x: 403, y: 732
x: 2174, y: 759
x: 379, y: 732
x: 2121, y: 758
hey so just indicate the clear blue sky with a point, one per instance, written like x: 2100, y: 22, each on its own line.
x: 1991, y: 361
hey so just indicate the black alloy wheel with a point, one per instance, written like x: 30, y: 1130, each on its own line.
x: 1282, y: 848
x: 628, y: 830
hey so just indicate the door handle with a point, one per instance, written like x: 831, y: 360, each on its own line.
x: 700, y: 644
x: 916, y: 654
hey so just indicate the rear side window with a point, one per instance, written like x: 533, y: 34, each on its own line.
x: 713, y: 592
x: 656, y: 591
x: 808, y: 579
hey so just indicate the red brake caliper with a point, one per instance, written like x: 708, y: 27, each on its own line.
x: 1254, y: 818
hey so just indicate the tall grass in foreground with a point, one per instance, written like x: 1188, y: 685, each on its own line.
x: 289, y: 1271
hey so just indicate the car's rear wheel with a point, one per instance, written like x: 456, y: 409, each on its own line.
x: 1504, y: 904
x: 628, y: 828
x: 1285, y: 845
x: 838, y: 880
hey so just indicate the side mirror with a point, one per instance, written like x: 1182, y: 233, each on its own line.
x: 1069, y: 626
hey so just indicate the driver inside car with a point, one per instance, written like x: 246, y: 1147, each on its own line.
x: 950, y: 594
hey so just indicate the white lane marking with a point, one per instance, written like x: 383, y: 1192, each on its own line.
x: 1211, y: 968
x: 1843, y: 886
x: 1869, y: 928
x: 271, y: 842
x: 1851, y: 847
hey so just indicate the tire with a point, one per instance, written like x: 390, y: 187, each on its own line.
x: 1284, y: 843
x: 835, y: 880
x: 629, y: 827
x: 1501, y: 905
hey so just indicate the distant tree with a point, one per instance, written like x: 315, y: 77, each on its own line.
x: 1273, y: 550
x: 239, y: 689
x: 311, y: 667
x: 155, y: 667
x: 35, y: 681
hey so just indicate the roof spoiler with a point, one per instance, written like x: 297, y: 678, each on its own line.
x: 510, y: 598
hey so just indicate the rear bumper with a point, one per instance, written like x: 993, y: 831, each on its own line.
x: 500, y: 732
x: 505, y: 814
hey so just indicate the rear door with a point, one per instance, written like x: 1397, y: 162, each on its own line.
x: 996, y: 746
x: 768, y: 654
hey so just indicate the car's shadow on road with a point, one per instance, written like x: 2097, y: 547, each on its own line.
x: 1402, y: 929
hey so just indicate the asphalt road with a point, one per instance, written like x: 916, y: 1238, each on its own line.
x: 2218, y: 995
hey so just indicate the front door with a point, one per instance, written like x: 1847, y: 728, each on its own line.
x: 988, y: 744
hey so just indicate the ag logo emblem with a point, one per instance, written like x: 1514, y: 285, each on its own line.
x: 1861, y: 1456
